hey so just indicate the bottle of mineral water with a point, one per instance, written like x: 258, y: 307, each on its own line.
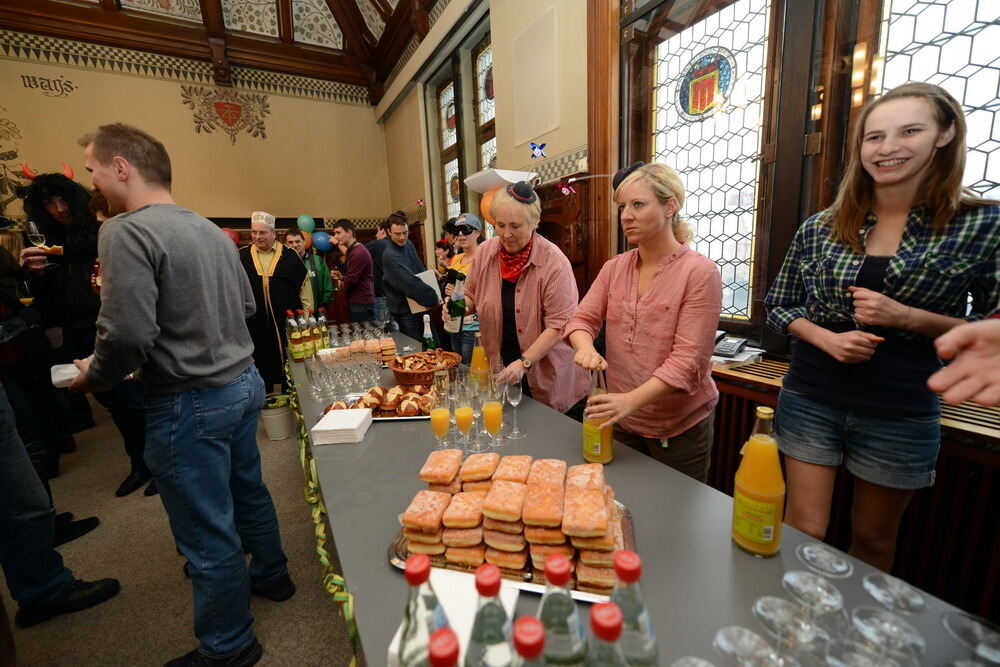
x: 489, y: 644
x: 424, y: 614
x: 606, y: 628
x: 529, y: 640
x: 638, y: 640
x: 557, y: 611
x: 444, y: 648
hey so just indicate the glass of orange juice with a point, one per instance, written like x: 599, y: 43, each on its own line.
x: 493, y: 414
x: 464, y: 416
x: 441, y: 424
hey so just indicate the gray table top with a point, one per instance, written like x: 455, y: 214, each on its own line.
x: 695, y: 580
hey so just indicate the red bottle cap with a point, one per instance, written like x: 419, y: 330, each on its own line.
x: 488, y: 580
x: 418, y: 569
x: 606, y: 621
x: 529, y: 637
x: 557, y: 569
x: 443, y: 647
x: 628, y: 566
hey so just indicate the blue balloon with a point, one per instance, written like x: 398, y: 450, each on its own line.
x: 306, y: 223
x: 322, y: 241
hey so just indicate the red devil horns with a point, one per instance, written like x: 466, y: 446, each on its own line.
x: 31, y: 175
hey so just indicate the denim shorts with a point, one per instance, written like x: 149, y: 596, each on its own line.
x: 897, y: 451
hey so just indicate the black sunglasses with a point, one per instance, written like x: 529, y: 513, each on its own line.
x: 464, y: 230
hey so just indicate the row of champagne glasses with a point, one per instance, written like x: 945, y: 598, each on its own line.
x: 473, y: 402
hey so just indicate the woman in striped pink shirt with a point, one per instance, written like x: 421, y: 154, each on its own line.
x: 523, y: 289
x: 661, y: 304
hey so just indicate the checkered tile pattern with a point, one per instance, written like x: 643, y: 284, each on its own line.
x: 437, y: 10
x: 291, y: 85
x: 555, y: 167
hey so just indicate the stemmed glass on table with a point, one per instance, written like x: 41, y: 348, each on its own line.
x: 978, y: 635
x: 37, y: 239
x: 464, y: 415
x: 492, y: 398
x: 514, y: 395
x: 441, y: 412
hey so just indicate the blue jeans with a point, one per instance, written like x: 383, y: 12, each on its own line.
x: 362, y: 312
x: 382, y: 313
x: 202, y: 449
x: 34, y: 570
x: 462, y: 343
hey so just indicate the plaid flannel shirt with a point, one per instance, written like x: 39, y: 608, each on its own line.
x: 931, y: 271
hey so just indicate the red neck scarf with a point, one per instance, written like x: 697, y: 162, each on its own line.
x: 512, y: 264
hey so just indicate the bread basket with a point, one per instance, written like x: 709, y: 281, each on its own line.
x: 444, y: 361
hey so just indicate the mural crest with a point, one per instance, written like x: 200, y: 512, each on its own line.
x: 228, y: 110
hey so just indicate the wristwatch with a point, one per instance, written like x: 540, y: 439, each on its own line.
x: 527, y: 362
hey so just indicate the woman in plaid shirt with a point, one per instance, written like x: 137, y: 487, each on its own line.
x: 865, y: 288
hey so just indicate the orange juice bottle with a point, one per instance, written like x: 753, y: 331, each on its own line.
x: 597, y: 442
x: 759, y: 498
x: 479, y: 365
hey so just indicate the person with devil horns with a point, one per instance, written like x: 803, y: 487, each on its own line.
x: 59, y: 206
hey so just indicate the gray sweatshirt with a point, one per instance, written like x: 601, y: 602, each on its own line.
x: 174, y: 302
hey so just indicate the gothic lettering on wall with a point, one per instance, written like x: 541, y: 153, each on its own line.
x: 228, y: 110
x: 60, y: 87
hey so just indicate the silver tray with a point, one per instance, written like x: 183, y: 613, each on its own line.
x: 525, y: 580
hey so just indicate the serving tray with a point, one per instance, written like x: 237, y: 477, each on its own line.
x: 528, y: 579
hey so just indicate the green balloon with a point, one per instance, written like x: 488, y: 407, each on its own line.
x: 306, y: 223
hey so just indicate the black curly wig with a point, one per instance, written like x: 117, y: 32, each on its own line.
x: 47, y: 186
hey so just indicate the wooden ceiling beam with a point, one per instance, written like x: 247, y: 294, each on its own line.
x: 286, y: 31
x: 383, y: 7
x: 124, y: 30
x: 396, y: 36
x: 215, y: 26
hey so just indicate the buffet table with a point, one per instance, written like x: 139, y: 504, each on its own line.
x: 695, y: 579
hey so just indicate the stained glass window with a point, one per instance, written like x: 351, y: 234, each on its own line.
x: 953, y: 44
x: 453, y: 188
x: 707, y: 113
x: 488, y: 153
x: 448, y: 116
x: 484, y: 81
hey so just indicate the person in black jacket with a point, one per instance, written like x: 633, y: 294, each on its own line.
x: 59, y: 206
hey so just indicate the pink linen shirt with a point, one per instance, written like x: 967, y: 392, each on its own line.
x: 544, y: 298
x: 669, y: 334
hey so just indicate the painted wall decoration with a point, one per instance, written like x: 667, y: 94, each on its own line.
x: 372, y: 18
x: 256, y: 16
x: 10, y: 171
x: 60, y: 87
x: 186, y: 10
x: 314, y: 24
x: 228, y: 110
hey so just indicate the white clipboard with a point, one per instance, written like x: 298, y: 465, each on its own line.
x: 430, y: 278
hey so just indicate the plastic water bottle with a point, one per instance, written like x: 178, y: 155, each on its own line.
x: 529, y: 640
x: 444, y: 648
x: 606, y: 628
x: 424, y: 614
x: 489, y: 644
x: 564, y: 643
x: 638, y: 641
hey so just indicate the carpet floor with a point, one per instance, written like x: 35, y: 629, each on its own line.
x: 150, y: 621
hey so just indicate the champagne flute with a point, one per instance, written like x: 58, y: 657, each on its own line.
x: 514, y: 395
x: 824, y: 560
x: 895, y: 594
x: 889, y: 634
x: 978, y: 635
x: 745, y: 647
x: 475, y: 391
x: 25, y: 295
x: 463, y: 415
x: 493, y: 413
x: 821, y: 602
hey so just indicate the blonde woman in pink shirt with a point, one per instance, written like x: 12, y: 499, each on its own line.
x: 523, y: 289
x: 660, y: 303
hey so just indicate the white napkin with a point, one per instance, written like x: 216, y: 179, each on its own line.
x: 64, y: 374
x: 342, y: 426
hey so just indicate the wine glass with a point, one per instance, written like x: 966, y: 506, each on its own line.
x: 824, y: 560
x: 746, y: 648
x: 691, y: 661
x: 889, y: 634
x: 821, y: 601
x: 514, y: 395
x: 25, y: 295
x: 850, y: 653
x: 37, y: 239
x: 784, y: 621
x: 893, y: 593
x: 475, y: 391
x: 977, y: 634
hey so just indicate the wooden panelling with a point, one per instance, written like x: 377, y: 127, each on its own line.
x: 565, y: 222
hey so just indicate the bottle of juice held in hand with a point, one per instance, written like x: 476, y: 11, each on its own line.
x: 597, y: 442
x: 759, y: 497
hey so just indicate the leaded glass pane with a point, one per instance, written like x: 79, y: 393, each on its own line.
x: 448, y: 116
x: 484, y: 81
x: 707, y: 114
x: 953, y: 44
x: 452, y: 188
x: 488, y: 154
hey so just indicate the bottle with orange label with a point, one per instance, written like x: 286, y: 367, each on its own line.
x: 759, y: 497
x: 597, y: 442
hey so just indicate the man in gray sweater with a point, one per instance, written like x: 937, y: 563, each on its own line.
x: 174, y: 305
